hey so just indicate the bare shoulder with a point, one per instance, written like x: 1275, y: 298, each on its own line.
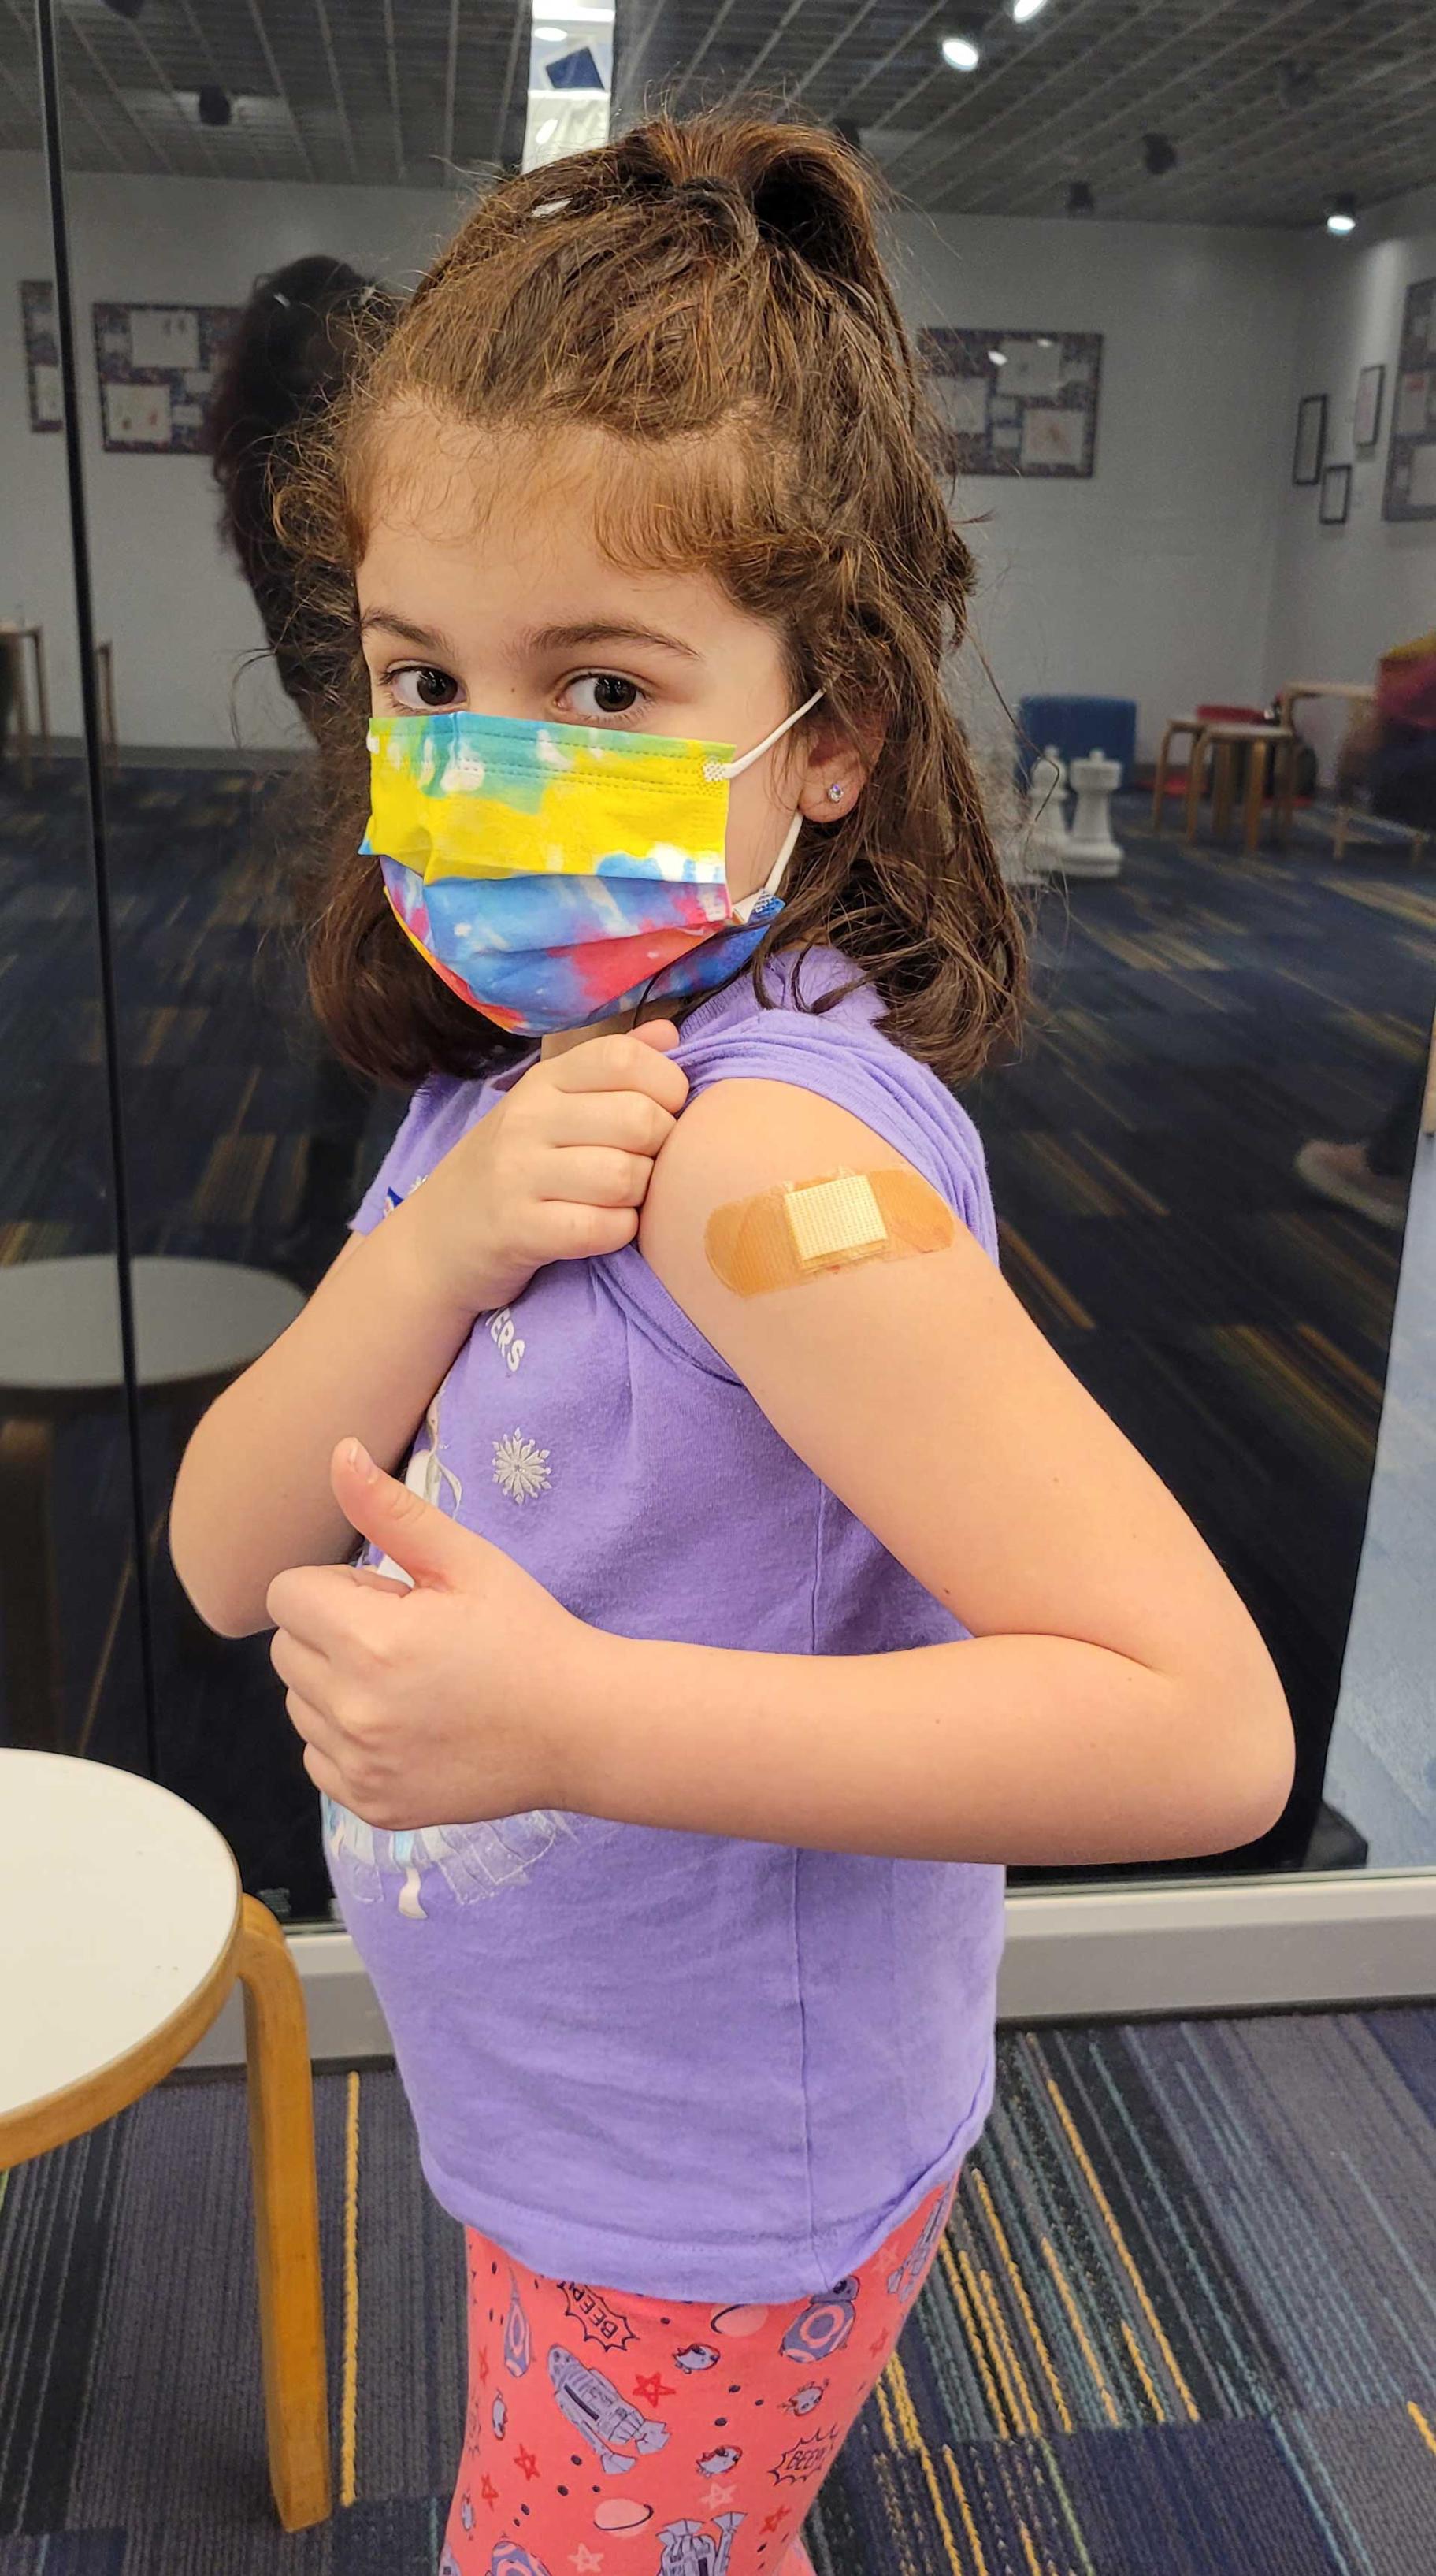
x: 732, y: 1144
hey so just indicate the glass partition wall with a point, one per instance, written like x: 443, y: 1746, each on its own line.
x: 1180, y: 324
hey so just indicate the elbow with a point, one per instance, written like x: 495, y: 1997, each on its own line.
x: 218, y: 1603
x: 1251, y: 1758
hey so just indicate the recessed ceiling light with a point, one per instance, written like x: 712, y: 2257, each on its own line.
x: 1341, y: 216
x: 960, y: 53
x: 1022, y: 10
x: 997, y: 357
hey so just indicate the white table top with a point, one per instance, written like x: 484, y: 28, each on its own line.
x: 116, y: 1902
x: 60, y: 1320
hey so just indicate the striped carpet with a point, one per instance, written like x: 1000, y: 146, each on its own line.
x: 1183, y: 2325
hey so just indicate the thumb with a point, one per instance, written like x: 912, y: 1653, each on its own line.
x: 660, y: 1034
x: 436, y: 1551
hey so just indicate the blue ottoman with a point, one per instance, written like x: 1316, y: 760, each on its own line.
x: 1075, y: 726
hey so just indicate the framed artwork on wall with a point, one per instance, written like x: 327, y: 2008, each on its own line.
x: 1411, y: 456
x: 1310, y: 439
x: 1015, y: 402
x: 1335, y: 496
x: 42, y: 352
x: 156, y: 365
x: 1370, y: 388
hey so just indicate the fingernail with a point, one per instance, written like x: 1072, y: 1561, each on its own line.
x: 361, y: 1462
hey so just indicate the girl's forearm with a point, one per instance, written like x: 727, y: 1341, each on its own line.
x: 1016, y: 1749
x: 252, y: 1496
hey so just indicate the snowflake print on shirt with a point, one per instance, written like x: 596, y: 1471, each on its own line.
x: 520, y: 1467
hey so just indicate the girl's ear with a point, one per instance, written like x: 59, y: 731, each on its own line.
x: 834, y: 773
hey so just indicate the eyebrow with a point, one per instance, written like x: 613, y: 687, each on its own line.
x: 428, y: 638
x: 555, y: 639
x: 539, y: 639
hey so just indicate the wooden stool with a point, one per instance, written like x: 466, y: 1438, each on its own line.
x: 122, y: 1932
x: 1192, y: 725
x: 197, y: 1324
x: 13, y: 640
x: 1220, y: 741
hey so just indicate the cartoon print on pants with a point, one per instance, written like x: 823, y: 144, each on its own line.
x: 695, y: 2356
x: 910, y: 2271
x: 509, y: 2560
x: 804, y: 2400
x: 518, y: 2350
x: 596, y: 2410
x: 500, y: 2417
x: 689, y: 2548
x: 716, y: 2464
x: 824, y: 2326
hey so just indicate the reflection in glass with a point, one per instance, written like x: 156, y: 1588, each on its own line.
x: 70, y: 1677
x: 1201, y: 1159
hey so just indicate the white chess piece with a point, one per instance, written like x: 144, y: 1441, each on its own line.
x: 1091, y: 850
x: 1046, y: 814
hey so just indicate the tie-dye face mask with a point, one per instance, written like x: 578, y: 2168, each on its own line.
x: 550, y: 872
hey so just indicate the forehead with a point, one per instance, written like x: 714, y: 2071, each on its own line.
x: 443, y: 502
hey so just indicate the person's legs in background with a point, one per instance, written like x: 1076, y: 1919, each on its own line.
x: 597, y: 2417
x: 1373, y: 1176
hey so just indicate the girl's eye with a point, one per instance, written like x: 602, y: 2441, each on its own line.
x: 604, y: 693
x: 430, y: 688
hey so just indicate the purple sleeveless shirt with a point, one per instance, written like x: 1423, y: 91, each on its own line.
x: 671, y: 2063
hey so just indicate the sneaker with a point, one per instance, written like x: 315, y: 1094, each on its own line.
x: 1342, y: 1173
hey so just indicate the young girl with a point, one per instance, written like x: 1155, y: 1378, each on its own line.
x: 772, y: 1582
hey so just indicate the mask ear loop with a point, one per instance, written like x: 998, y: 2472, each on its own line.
x: 717, y: 771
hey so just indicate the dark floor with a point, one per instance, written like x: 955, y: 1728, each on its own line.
x: 1198, y: 1019
x: 1181, y: 2326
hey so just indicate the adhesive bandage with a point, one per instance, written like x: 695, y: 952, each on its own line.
x: 807, y: 1228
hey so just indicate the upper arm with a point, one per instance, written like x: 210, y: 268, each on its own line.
x: 922, y: 1395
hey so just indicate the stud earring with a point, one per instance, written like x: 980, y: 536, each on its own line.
x: 836, y: 794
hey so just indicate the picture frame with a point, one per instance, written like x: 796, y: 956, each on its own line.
x: 1015, y: 402
x: 1335, y: 505
x: 1310, y: 447
x: 1370, y: 397
x: 1410, y: 492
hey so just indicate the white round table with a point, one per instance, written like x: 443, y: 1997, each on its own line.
x: 197, y: 1324
x: 122, y: 1931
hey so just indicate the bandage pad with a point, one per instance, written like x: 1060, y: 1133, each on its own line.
x: 808, y: 1228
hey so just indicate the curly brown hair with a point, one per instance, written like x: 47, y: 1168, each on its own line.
x: 711, y: 294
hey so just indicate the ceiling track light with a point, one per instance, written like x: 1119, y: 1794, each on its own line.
x: 1159, y: 154
x: 1080, y: 200
x: 1341, y: 213
x: 960, y: 53
x: 214, y: 105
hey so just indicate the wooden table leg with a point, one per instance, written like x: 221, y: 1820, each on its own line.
x: 42, y: 693
x: 1159, y: 783
x: 1196, y: 764
x: 286, y: 2218
x: 1256, y: 795
x: 14, y: 652
x: 1224, y: 780
x: 33, y: 1700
